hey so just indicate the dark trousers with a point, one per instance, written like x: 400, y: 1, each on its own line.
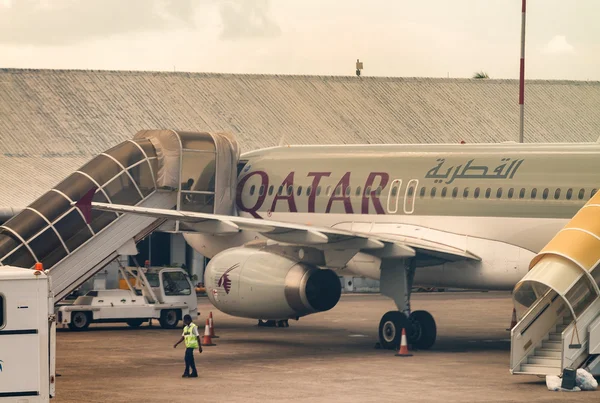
x: 189, y: 362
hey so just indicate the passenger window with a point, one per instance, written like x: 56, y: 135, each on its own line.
x: 271, y: 190
x: 581, y: 194
x: 338, y: 190
x: 261, y: 190
x: 432, y: 192
x: 569, y: 194
x: 423, y: 190
x: 454, y: 192
x: 488, y: 192
x: 522, y: 193
x: 290, y: 190
x: 328, y: 191
x: 499, y: 193
x: 2, y: 314
x: 533, y: 193
x: 557, y: 194
x: 411, y: 191
x: 545, y: 193
x: 368, y: 191
x: 444, y: 190
x: 378, y: 191
x: 358, y: 191
x: 252, y: 188
x: 348, y: 190
x: 318, y: 190
x: 593, y: 192
x: 476, y: 193
x: 394, y: 190
x: 466, y: 192
x: 280, y: 191
x: 308, y: 190
x: 299, y: 191
x: 511, y: 192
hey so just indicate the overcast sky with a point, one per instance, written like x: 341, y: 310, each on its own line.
x: 432, y: 38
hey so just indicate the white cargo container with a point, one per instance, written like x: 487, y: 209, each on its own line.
x: 27, y: 336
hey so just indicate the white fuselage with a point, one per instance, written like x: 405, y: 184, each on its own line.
x: 502, y: 203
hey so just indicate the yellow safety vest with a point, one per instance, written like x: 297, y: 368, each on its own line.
x: 191, y: 340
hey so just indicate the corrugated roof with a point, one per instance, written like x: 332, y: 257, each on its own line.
x: 67, y: 116
x: 24, y: 179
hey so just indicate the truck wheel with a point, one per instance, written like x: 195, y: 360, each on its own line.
x: 135, y: 322
x: 169, y: 318
x: 79, y: 321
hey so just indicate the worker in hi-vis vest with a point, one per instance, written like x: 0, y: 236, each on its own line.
x: 192, y: 341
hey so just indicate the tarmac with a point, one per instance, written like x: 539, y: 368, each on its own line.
x: 324, y: 357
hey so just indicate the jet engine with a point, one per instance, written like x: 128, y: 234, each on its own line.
x: 255, y: 283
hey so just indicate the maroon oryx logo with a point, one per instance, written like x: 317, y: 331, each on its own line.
x: 225, y: 281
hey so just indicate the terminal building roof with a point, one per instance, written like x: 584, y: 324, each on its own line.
x: 53, y: 121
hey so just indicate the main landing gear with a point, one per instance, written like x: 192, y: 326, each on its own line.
x: 396, y: 283
x: 273, y: 323
x: 420, y: 329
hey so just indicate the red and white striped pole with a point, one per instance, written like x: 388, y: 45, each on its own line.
x: 522, y: 73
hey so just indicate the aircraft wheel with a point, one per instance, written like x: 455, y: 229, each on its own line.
x: 390, y: 329
x: 423, y: 331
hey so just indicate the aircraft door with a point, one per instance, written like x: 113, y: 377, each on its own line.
x: 409, y: 196
x: 393, y: 196
x: 208, y: 172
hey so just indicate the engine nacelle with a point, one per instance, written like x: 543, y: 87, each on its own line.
x: 254, y: 283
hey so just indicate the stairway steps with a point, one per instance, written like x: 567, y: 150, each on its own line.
x: 546, y: 352
x: 553, y: 345
x: 554, y: 337
x: 539, y: 369
x: 550, y: 361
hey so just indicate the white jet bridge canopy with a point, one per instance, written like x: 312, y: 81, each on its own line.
x: 158, y: 168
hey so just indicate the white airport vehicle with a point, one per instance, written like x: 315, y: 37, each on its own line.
x: 27, y: 336
x: 165, y: 294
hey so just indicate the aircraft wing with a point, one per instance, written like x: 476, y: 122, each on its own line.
x: 337, y: 246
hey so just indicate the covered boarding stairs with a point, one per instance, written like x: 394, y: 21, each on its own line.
x: 157, y: 168
x: 558, y: 302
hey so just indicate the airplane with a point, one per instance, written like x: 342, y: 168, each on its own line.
x: 468, y: 216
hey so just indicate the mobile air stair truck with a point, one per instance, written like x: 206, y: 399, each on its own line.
x: 157, y: 168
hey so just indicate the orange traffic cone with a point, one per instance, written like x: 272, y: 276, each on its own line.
x: 403, y: 350
x: 211, y: 326
x: 206, y: 340
x: 513, y: 321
